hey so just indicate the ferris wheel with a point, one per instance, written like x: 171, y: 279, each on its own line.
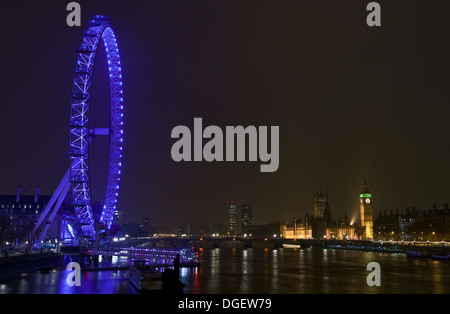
x: 77, y: 178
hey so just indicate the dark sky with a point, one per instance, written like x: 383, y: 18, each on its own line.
x: 351, y: 101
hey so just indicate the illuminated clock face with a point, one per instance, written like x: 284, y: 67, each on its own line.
x: 367, y: 200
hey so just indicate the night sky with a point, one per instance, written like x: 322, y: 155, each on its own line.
x: 351, y: 101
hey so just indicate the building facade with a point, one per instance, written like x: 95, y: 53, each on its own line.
x: 414, y: 224
x: 296, y: 230
x: 20, y: 213
x: 231, y: 219
x: 322, y: 214
x: 246, y: 215
x: 320, y: 202
x: 343, y: 231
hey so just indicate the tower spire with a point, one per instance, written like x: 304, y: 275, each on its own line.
x: 365, y: 187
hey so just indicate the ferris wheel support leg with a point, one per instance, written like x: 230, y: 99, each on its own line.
x: 61, y: 198
x: 50, y: 204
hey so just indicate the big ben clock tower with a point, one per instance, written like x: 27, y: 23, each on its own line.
x: 365, y: 206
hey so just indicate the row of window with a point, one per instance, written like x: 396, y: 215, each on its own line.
x: 22, y: 211
x: 18, y: 206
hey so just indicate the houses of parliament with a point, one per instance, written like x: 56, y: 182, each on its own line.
x: 321, y: 225
x: 410, y: 225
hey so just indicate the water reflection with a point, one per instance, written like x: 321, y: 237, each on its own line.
x: 316, y: 270
x: 311, y: 270
x: 245, y: 271
x: 275, y: 271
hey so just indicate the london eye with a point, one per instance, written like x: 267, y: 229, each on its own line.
x: 78, y: 178
x: 99, y: 30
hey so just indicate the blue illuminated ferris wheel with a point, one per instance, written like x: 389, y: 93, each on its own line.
x: 99, y: 29
x: 77, y: 176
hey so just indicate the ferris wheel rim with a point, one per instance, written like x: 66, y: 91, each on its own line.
x: 99, y: 30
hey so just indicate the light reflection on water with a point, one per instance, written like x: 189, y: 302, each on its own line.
x: 262, y: 271
x: 314, y: 270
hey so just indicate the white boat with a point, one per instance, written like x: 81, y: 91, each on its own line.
x: 292, y: 245
x: 145, y: 278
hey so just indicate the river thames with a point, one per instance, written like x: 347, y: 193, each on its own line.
x: 261, y: 271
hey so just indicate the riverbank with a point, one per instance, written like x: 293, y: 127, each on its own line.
x: 411, y: 249
x: 15, y: 265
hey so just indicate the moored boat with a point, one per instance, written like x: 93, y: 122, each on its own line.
x: 414, y: 253
x: 437, y: 256
x: 145, y: 277
x: 291, y: 245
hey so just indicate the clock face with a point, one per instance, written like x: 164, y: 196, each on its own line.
x: 367, y: 200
